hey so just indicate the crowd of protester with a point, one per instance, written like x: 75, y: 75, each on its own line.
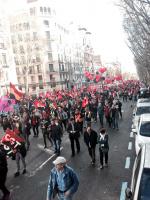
x: 72, y: 112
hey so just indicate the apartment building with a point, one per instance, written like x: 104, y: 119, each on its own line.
x: 7, y: 65
x: 47, y: 55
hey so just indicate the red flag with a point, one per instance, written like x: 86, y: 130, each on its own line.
x: 39, y: 104
x: 14, y: 91
x: 59, y: 97
x: 102, y: 70
x: 97, y: 78
x: 84, y: 102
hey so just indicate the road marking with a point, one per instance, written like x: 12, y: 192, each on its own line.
x: 127, y: 164
x: 44, y: 163
x: 123, y: 188
x: 41, y: 166
x: 131, y: 135
x: 130, y: 146
x: 50, y: 151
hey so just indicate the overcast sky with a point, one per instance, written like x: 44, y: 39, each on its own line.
x: 104, y: 19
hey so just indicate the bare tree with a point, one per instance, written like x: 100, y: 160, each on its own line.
x: 137, y: 26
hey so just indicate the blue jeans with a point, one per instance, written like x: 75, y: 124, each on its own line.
x: 115, y: 122
x: 57, y: 144
x: 61, y: 196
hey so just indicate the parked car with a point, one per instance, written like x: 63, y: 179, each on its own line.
x: 143, y: 100
x: 142, y: 133
x: 141, y: 108
x: 140, y: 182
x: 144, y: 93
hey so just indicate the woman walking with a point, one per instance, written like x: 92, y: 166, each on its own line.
x: 103, y: 147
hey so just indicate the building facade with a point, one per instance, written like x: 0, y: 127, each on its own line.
x: 47, y: 55
x: 7, y: 65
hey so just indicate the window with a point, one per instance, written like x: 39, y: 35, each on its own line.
x: 21, y: 49
x: 38, y: 59
x: 47, y: 35
x: 49, y: 10
x: 40, y: 78
x: 32, y: 11
x: 20, y: 87
x: 13, y: 39
x: 40, y: 82
x: 46, y: 23
x: 144, y: 129
x: 143, y: 110
x: 49, y: 56
x: 14, y: 50
x: 16, y: 61
x: 17, y: 71
x: 41, y: 86
x: 51, y: 67
x: 45, y: 9
x: 41, y: 9
x: 33, y: 88
x: 20, y: 37
x: 2, y: 46
x: 51, y: 77
x: 26, y: 26
x: 23, y: 60
x: 38, y: 68
x: 31, y: 69
x: 19, y: 80
x: 35, y: 37
x: 27, y: 37
x: 20, y: 27
x: 32, y: 78
x: 62, y: 67
x: 4, y: 61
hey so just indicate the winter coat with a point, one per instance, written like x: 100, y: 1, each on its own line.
x: 90, y: 139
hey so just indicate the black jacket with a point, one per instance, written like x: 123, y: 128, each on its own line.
x: 74, y: 134
x: 56, y: 132
x: 90, y: 139
x: 103, y: 143
x: 3, y: 161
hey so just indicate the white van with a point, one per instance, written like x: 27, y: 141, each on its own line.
x: 140, y: 182
x: 142, y: 134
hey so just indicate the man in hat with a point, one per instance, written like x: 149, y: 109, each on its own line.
x: 63, y: 181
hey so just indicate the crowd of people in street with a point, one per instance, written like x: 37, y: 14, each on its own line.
x: 72, y: 112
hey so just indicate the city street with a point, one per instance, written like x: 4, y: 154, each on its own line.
x: 95, y: 184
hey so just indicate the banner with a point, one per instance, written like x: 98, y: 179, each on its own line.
x: 10, y: 141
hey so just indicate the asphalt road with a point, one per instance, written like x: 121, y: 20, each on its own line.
x: 95, y: 184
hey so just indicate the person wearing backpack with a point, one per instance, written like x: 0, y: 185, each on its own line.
x: 103, y: 147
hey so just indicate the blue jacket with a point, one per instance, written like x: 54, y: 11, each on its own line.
x: 71, y: 181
